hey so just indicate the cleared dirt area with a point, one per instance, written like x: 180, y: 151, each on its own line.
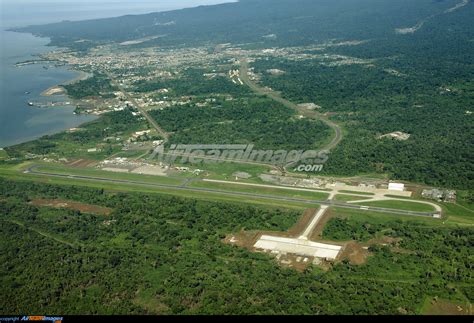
x: 303, y: 222
x: 243, y: 239
x: 249, y: 240
x: 443, y: 307
x: 355, y: 253
x: 72, y: 205
x: 300, y: 263
x: 150, y: 170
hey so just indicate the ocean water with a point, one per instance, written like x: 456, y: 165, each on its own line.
x: 18, y: 121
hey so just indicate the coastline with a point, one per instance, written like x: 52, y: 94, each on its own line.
x: 59, y: 89
x: 30, y: 84
x: 54, y: 90
x: 81, y: 77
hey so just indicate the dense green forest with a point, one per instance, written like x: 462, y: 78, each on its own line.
x: 428, y: 97
x: 97, y: 85
x: 246, y: 120
x: 192, y: 82
x: 161, y: 254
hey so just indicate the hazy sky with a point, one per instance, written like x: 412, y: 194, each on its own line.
x: 103, y: 1
x: 15, y: 13
x: 157, y: 2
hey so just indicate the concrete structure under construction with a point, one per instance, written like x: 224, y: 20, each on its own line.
x: 300, y: 247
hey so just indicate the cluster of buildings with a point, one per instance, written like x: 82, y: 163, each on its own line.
x: 131, y: 66
x: 235, y: 77
x: 439, y: 195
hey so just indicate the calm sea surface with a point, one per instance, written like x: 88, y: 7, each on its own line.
x: 18, y: 85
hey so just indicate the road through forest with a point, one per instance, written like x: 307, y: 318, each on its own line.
x: 311, y: 114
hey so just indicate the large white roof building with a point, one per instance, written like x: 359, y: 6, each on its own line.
x: 396, y: 186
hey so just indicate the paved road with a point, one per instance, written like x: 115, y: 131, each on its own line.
x: 32, y: 170
x: 333, y: 193
x: 305, y: 112
x: 314, y: 222
x: 132, y: 100
x: 383, y: 198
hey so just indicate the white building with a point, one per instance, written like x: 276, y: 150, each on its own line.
x: 396, y: 186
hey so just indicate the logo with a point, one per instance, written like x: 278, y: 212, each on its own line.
x: 308, y: 160
x: 41, y: 318
x: 309, y: 168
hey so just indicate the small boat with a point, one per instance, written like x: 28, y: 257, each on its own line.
x: 27, y: 92
x: 31, y: 104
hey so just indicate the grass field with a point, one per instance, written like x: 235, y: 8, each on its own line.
x: 376, y: 217
x: 398, y: 197
x: 261, y: 190
x: 108, y: 175
x: 132, y: 154
x: 3, y: 154
x: 435, y: 306
x: 346, y: 198
x: 224, y: 171
x: 146, y: 187
x: 459, y: 213
x: 179, y: 181
x: 401, y: 205
x: 355, y: 192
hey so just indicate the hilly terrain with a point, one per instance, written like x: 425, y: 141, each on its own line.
x: 267, y: 22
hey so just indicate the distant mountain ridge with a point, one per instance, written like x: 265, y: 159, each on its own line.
x: 289, y: 22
